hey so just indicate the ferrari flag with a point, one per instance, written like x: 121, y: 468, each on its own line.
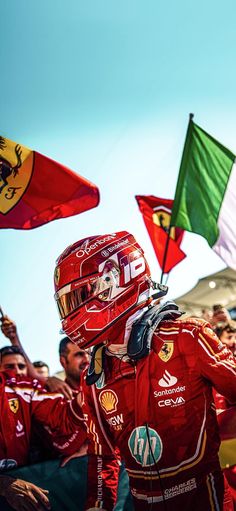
x: 35, y: 190
x: 156, y: 215
x: 205, y: 199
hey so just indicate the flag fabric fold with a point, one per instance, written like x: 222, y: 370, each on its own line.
x: 35, y: 190
x: 156, y: 215
x: 205, y: 198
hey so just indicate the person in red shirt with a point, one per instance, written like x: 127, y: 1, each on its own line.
x: 53, y: 384
x: 22, y: 401
x: 74, y: 361
x: 148, y: 390
x: 12, y: 359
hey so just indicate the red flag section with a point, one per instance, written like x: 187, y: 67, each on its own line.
x: 35, y: 190
x: 156, y: 215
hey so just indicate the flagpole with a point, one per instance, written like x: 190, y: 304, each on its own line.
x: 165, y: 255
x: 191, y: 116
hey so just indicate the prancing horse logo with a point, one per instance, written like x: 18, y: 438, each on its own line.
x: 16, y: 167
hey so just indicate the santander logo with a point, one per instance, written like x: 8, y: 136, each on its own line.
x: 167, y: 380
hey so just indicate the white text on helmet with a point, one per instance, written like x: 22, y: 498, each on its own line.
x: 82, y: 252
x: 132, y: 268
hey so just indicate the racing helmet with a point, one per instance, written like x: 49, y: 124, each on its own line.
x: 100, y: 281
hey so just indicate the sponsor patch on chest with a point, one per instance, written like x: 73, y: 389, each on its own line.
x: 108, y: 400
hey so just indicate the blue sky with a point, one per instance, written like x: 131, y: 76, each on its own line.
x: 105, y: 88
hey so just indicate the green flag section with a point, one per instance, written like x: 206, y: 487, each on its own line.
x: 205, y: 199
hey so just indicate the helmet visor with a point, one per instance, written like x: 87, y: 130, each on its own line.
x: 72, y: 296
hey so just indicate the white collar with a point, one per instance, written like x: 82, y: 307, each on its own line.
x: 120, y: 350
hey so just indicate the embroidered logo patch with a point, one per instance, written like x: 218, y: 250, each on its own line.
x: 108, y: 400
x: 166, y: 351
x: 13, y: 405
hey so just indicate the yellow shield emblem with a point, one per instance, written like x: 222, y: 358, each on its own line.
x: 16, y: 168
x: 13, y: 405
x: 57, y: 275
x: 166, y: 351
x: 161, y: 217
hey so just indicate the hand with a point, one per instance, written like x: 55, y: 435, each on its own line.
x: 55, y: 384
x: 8, y: 328
x: 23, y: 495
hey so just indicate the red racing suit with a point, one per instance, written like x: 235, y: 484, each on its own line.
x: 159, y: 412
x: 23, y: 399
x: 45, y: 445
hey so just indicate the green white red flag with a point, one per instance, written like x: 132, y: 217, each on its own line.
x: 205, y: 199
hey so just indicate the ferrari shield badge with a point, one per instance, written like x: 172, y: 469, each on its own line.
x: 16, y: 168
x: 161, y: 217
x: 13, y: 405
x: 166, y: 351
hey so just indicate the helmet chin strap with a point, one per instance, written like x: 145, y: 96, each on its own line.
x: 118, y: 348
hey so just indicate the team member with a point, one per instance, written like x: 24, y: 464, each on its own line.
x: 149, y: 385
x: 53, y: 384
x: 74, y: 361
x: 12, y: 359
x: 22, y: 401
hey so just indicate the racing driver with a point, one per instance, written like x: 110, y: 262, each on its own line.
x: 148, y: 389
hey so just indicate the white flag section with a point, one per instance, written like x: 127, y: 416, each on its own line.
x: 225, y: 246
x: 205, y: 199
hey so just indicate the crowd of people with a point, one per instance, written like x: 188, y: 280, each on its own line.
x: 143, y: 387
x: 37, y: 424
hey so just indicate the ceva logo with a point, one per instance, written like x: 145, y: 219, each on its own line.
x: 167, y: 380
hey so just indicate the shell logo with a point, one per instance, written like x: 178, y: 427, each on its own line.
x: 108, y: 400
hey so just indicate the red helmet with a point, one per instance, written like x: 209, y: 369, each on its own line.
x: 98, y: 281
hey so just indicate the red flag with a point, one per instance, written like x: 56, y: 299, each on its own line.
x: 156, y: 215
x: 35, y: 190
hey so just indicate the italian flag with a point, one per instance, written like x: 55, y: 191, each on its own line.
x: 205, y: 198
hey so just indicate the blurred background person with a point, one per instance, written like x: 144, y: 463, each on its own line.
x: 220, y: 314
x: 227, y: 334
x: 42, y: 369
x: 207, y: 314
x: 74, y: 361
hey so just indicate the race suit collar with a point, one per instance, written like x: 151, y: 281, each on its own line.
x: 119, y: 349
